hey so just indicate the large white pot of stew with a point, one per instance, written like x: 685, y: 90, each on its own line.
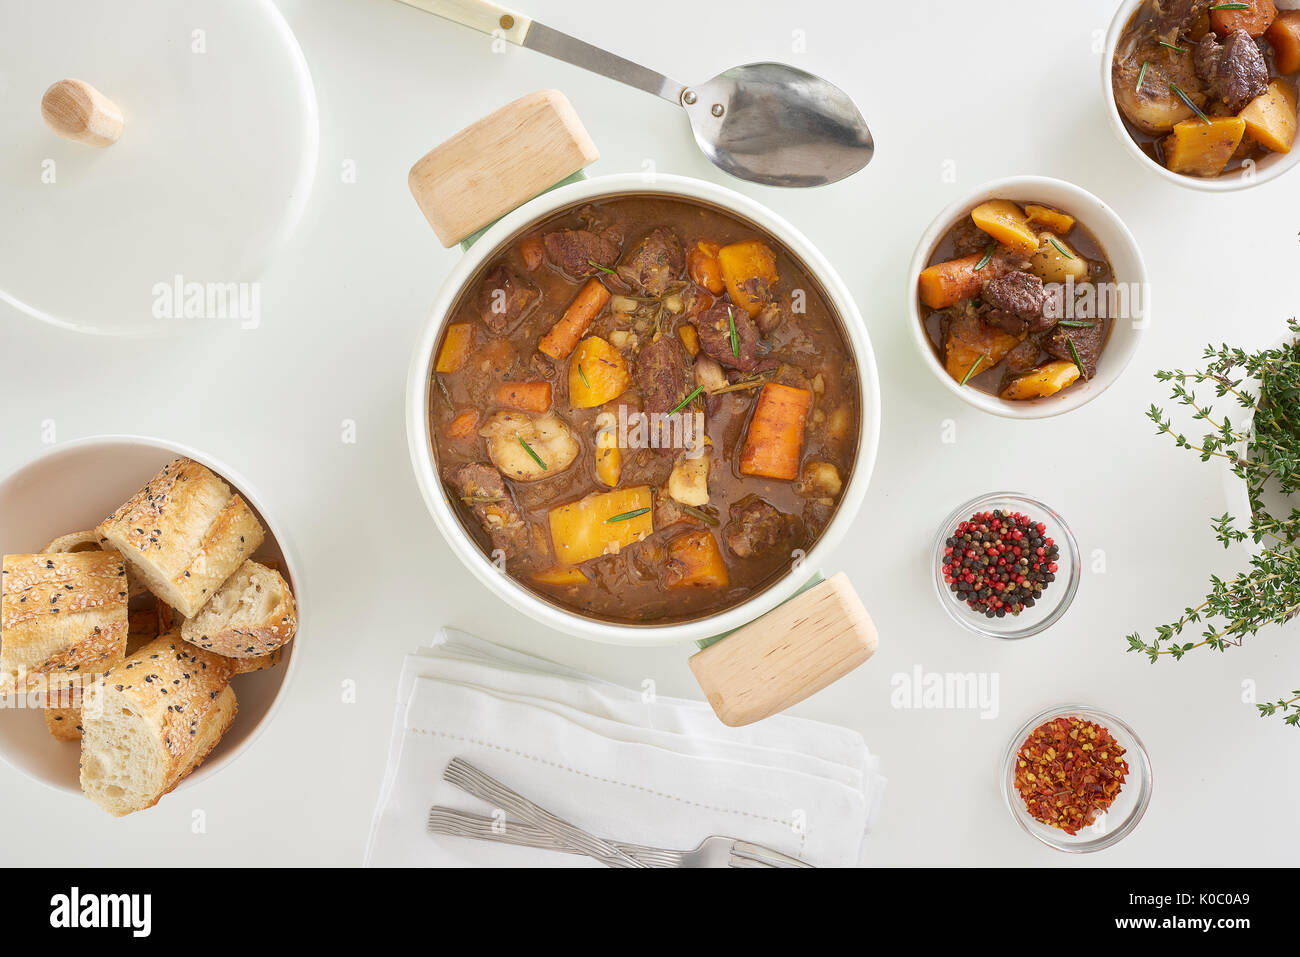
x: 643, y: 409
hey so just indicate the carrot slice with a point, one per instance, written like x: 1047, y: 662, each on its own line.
x: 464, y: 425
x: 525, y: 396
x: 577, y: 319
x: 946, y: 284
x: 775, y: 438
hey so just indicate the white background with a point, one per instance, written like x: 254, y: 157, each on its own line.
x: 996, y: 89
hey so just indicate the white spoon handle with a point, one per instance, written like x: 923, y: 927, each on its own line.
x: 479, y: 15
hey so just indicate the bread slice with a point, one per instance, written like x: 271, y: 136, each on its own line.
x: 89, y: 541
x: 151, y: 721
x: 63, y: 618
x: 254, y: 613
x: 185, y: 533
x: 244, y: 666
x: 64, y: 724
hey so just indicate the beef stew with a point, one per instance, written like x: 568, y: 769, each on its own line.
x: 1203, y: 86
x: 644, y: 409
x: 1016, y: 300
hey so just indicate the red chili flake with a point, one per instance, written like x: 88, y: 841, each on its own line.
x: 1068, y: 772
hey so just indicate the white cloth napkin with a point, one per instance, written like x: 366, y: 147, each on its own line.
x: 622, y: 765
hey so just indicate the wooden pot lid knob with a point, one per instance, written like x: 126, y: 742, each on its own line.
x: 77, y: 111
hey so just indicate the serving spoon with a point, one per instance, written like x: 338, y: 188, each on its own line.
x: 768, y: 123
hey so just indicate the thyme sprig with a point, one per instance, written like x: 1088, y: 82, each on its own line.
x: 1263, y: 453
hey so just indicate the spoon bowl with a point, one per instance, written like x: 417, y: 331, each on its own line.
x: 777, y: 125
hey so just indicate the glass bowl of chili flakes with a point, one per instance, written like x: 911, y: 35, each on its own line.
x: 1077, y: 778
x: 976, y: 570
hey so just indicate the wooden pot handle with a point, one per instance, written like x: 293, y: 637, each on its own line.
x: 499, y: 163
x: 793, y: 651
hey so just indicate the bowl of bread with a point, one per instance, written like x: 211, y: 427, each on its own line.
x: 147, y: 611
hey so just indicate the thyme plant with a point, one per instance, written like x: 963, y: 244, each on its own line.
x: 1262, y: 451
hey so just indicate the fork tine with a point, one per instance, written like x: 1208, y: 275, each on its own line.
x: 768, y: 856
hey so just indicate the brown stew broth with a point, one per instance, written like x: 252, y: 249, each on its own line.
x: 627, y: 587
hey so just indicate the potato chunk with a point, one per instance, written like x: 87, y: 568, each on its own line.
x: 526, y: 447
x: 1056, y: 261
x: 1197, y: 148
x: 1048, y: 379
x: 1271, y: 117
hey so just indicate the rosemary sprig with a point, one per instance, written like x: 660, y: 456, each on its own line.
x: 624, y: 516
x: 1074, y: 353
x: 1170, y: 46
x: 687, y: 401
x: 740, y: 385
x: 1266, y: 452
x: 1076, y: 324
x: 1188, y: 100
x: 1142, y: 75
x: 536, y: 458
x: 1059, y: 248
x: 1230, y: 6
x: 735, y: 336
x: 971, y: 371
x: 584, y: 376
x: 699, y: 513
x: 988, y: 257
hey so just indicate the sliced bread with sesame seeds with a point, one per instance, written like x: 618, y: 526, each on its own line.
x: 251, y: 615
x: 90, y: 541
x: 150, y: 721
x: 184, y: 533
x: 63, y: 618
x: 64, y: 724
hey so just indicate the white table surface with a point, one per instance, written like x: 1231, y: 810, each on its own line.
x: 341, y: 308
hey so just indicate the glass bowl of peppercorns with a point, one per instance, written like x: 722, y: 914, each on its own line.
x: 1077, y: 778
x: 1005, y: 566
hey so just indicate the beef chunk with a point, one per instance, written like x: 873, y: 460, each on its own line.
x: 1015, y: 303
x: 1023, y: 357
x: 654, y: 262
x: 1087, y: 341
x: 662, y: 374
x: 579, y: 253
x: 1234, y: 71
x: 714, y: 327
x: 769, y: 318
x: 504, y: 299
x: 484, y: 493
x: 757, y: 529
x: 1175, y: 17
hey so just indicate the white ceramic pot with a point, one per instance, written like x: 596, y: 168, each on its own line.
x: 1125, y: 258
x: 74, y: 487
x: 1269, y: 168
x: 419, y: 385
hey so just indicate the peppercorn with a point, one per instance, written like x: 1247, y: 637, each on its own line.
x: 999, y: 562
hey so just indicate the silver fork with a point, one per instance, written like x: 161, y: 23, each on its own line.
x: 487, y: 788
x: 712, y: 852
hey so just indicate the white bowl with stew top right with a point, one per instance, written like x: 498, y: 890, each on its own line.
x: 1262, y: 171
x: 1128, y: 271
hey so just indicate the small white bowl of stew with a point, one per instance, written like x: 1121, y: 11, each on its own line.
x: 1028, y: 296
x: 1204, y: 92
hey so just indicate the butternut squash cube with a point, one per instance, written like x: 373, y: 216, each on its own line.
x: 1006, y: 222
x: 600, y: 524
x: 1053, y: 219
x: 695, y: 561
x: 1270, y: 118
x: 1197, y: 148
x: 457, y: 344
x: 598, y: 373
x: 969, y: 338
x: 747, y: 268
x: 1048, y: 379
